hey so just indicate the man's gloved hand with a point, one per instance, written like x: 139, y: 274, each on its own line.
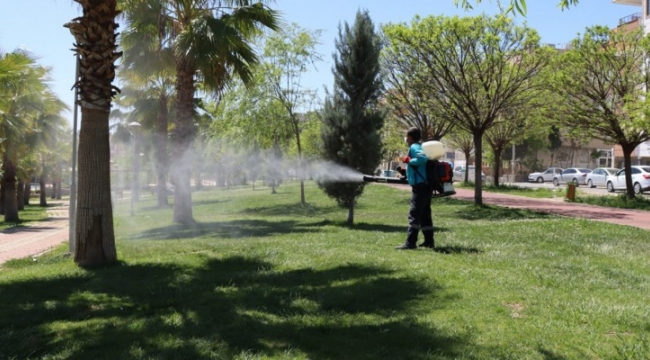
x: 407, y: 159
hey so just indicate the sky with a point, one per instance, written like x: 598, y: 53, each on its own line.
x: 37, y: 25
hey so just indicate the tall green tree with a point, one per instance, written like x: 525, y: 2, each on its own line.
x: 479, y: 67
x: 95, y: 45
x: 352, y: 120
x: 600, y: 89
x: 288, y: 55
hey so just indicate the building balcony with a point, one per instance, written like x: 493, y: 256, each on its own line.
x: 629, y: 2
x: 629, y: 19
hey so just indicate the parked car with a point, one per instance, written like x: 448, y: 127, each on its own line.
x: 640, y: 179
x: 459, y: 173
x: 577, y: 176
x: 598, y: 177
x: 546, y: 175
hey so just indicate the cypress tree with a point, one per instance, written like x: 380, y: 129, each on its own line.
x: 351, y: 119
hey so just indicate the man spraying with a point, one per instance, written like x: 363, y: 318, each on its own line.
x: 420, y: 210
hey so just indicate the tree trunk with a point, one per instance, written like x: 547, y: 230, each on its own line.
x: 497, y: 166
x: 95, y: 238
x: 28, y: 191
x: 58, y: 189
x: 350, y: 220
x: 95, y: 37
x: 300, y: 164
x: 478, y: 160
x: 466, y: 174
x: 43, y: 193
x: 2, y: 196
x: 162, y: 160
x: 20, y: 195
x: 10, y: 204
x: 627, y: 157
x: 183, y: 133
x: 53, y: 195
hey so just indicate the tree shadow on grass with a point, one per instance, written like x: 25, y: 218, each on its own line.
x: 224, y: 309
x: 295, y: 209
x: 229, y: 229
x: 497, y: 213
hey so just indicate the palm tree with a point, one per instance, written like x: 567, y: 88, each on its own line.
x: 21, y: 89
x: 148, y: 65
x: 95, y: 36
x: 211, y: 43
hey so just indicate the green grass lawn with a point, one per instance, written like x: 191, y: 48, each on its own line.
x: 262, y: 277
x: 30, y: 214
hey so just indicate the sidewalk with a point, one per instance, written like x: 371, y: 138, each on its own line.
x: 636, y: 218
x: 37, y: 238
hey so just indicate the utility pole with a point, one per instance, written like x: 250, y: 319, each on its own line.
x: 72, y: 209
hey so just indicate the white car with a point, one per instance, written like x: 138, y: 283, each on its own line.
x: 546, y: 175
x: 598, y: 177
x: 576, y: 176
x: 640, y: 179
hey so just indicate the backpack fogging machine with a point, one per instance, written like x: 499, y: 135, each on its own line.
x: 439, y: 174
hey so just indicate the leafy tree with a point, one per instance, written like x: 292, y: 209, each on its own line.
x: 463, y: 141
x: 600, y: 85
x: 288, y: 54
x: 510, y: 128
x: 95, y: 38
x: 351, y: 118
x: 410, y: 100
x: 517, y: 6
x: 479, y: 67
x: 392, y: 138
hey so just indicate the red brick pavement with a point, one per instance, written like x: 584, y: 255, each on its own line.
x: 37, y: 238
x: 636, y: 218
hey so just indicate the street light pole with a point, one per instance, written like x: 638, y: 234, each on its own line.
x: 72, y: 209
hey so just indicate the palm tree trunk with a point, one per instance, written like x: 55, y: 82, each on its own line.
x: 53, y: 195
x: 94, y: 226
x: 28, y: 191
x: 20, y: 195
x: 2, y: 196
x: 183, y: 136
x: 43, y: 193
x: 162, y: 159
x: 96, y: 44
x: 10, y: 204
